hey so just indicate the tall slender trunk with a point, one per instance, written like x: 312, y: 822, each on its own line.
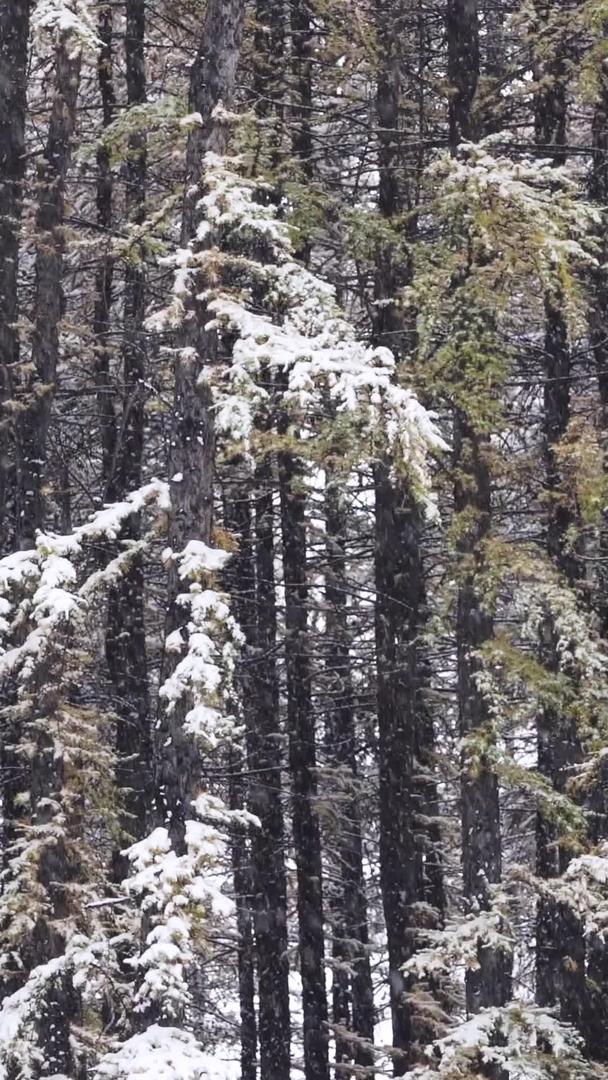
x: 241, y: 872
x: 399, y: 573
x: 105, y: 272
x: 265, y: 739
x: 301, y: 13
x: 57, y: 871
x: 193, y: 440
x: 14, y: 31
x: 560, y: 945
x: 269, y: 49
x: 353, y: 996
x: 301, y: 106
x: 597, y: 953
x: 240, y: 581
x: 431, y: 886
x: 125, y: 630
x: 300, y: 719
x: 48, y: 292
x: 55, y: 868
x: 462, y: 28
x: 398, y: 576
x: 303, y: 766
x: 265, y: 750
x: 490, y: 984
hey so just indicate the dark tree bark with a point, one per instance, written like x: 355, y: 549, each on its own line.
x: 301, y: 106
x: 597, y: 953
x: 303, y: 767
x: 462, y: 28
x: 48, y: 296
x: 399, y: 573
x: 243, y: 888
x: 269, y: 50
x: 301, y: 25
x: 240, y: 580
x: 265, y: 756
x: 490, y: 984
x: 193, y: 440
x: 300, y: 719
x: 598, y: 192
x: 241, y: 586
x: 398, y: 576
x: 54, y: 1029
x: 55, y: 870
x: 265, y: 738
x: 560, y: 945
x: 429, y: 838
x: 353, y: 996
x: 396, y: 183
x: 105, y: 272
x: 481, y: 837
x: 551, y: 74
x: 125, y: 633
x: 14, y: 31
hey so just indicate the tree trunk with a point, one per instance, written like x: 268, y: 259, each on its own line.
x: 597, y: 953
x: 302, y: 762
x: 14, y: 32
x: 560, y: 945
x: 301, y: 106
x: 302, y: 98
x: 48, y: 293
x: 125, y: 633
x: 300, y: 720
x: 490, y: 984
x: 240, y: 583
x: 243, y: 888
x: 193, y: 439
x: 265, y: 750
x: 54, y: 871
x: 399, y: 580
x: 353, y: 996
x: 105, y: 273
x: 462, y: 28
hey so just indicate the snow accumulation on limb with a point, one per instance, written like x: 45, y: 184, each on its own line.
x: 583, y: 888
x: 211, y: 642
x: 458, y: 945
x: 295, y: 327
x: 73, y: 20
x: 520, y: 1042
x: 48, y: 590
x: 173, y: 889
x: 46, y: 584
x: 537, y: 193
x: 92, y: 966
x: 158, y: 1053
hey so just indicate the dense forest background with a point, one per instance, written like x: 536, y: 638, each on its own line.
x: 304, y: 539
